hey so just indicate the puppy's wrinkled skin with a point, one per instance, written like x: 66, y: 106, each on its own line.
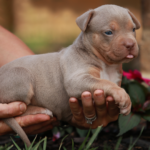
x: 93, y: 61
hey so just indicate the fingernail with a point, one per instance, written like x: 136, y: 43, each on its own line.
x: 72, y: 99
x: 87, y: 95
x: 98, y: 93
x: 23, y: 107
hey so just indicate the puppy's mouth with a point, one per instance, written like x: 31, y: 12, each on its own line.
x: 130, y: 56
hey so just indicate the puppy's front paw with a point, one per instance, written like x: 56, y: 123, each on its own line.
x: 123, y: 100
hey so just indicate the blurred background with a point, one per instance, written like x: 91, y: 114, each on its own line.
x: 49, y: 25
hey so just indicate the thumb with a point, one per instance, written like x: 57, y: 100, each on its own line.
x: 12, y: 109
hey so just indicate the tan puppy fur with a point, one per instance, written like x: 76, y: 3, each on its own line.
x: 94, y: 61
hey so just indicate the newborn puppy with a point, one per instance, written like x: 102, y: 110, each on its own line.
x: 93, y: 61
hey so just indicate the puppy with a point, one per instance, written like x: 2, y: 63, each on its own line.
x: 94, y: 61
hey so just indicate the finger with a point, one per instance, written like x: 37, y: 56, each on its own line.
x: 78, y: 118
x: 42, y: 127
x: 4, y: 128
x: 88, y: 106
x: 33, y: 119
x: 109, y: 98
x: 100, y: 103
x: 35, y: 129
x: 26, y: 121
x: 12, y: 109
x: 113, y: 110
x: 76, y: 109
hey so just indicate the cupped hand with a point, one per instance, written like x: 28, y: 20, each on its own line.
x: 105, y: 109
x: 32, y: 124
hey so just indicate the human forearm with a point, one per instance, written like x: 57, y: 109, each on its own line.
x: 11, y: 47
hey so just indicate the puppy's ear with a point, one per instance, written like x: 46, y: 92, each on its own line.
x: 83, y: 20
x: 134, y: 20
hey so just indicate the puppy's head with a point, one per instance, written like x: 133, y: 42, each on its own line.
x: 110, y: 31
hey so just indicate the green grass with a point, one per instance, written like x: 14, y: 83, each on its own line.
x: 86, y: 145
x: 48, y: 44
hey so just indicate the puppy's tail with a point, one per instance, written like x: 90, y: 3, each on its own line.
x: 11, y: 122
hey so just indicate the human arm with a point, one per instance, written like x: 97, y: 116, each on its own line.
x: 11, y: 48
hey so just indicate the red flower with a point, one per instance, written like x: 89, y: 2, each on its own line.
x: 136, y: 75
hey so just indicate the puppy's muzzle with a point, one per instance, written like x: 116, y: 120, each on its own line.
x: 129, y: 44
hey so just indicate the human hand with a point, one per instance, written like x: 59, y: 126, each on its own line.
x: 32, y: 124
x: 105, y: 109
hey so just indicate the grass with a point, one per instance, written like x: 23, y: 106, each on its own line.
x: 86, y: 145
x: 40, y: 45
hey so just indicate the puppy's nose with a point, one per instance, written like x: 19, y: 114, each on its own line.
x: 129, y: 44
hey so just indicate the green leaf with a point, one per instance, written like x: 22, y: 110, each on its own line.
x: 136, y: 93
x: 131, y: 141
x: 125, y: 81
x: 93, y: 130
x: 55, y: 130
x: 37, y: 145
x: 9, y: 147
x: 106, y: 147
x: 30, y: 147
x: 40, y: 148
x: 73, y: 145
x: 26, y: 148
x: 128, y: 122
x: 18, y: 148
x: 146, y: 115
x: 82, y: 133
x: 82, y: 145
x: 118, y: 143
x: 62, y: 142
x: 69, y: 130
x: 93, y: 137
x: 45, y: 143
x: 62, y: 132
x: 130, y: 148
x: 64, y: 148
x: 6, y: 147
x: 146, y: 118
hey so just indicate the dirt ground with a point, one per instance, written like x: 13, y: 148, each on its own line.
x: 106, y: 137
